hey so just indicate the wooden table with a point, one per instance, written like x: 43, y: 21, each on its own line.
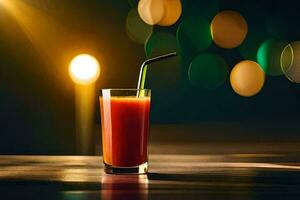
x: 227, y: 176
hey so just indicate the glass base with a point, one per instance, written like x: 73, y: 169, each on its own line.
x: 140, y: 169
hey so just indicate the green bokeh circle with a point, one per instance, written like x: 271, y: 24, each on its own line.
x: 268, y: 56
x: 194, y: 32
x: 208, y: 71
x: 136, y: 29
x: 160, y: 43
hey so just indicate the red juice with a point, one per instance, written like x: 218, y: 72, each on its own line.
x: 125, y: 130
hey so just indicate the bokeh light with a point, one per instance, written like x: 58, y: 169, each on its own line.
x: 172, y: 12
x: 229, y: 29
x: 151, y: 11
x: 161, y: 12
x: 84, y: 69
x: 136, y: 28
x: 208, y: 71
x: 160, y: 43
x: 268, y: 56
x: 194, y: 32
x: 165, y: 74
x: 247, y: 78
x: 290, y: 61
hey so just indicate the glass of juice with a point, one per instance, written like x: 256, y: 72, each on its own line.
x: 125, y: 130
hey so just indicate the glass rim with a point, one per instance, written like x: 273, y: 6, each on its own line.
x: 124, y: 89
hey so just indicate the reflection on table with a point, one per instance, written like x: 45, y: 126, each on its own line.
x: 173, y: 176
x: 115, y: 187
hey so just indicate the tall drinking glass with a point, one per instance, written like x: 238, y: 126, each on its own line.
x: 125, y: 129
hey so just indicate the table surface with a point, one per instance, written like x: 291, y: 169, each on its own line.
x: 226, y: 176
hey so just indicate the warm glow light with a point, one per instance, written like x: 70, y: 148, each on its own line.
x: 161, y: 12
x: 228, y: 29
x: 84, y: 69
x: 172, y: 13
x: 247, y: 78
x: 151, y: 11
x: 44, y: 32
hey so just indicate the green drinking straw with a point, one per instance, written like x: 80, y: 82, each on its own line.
x: 143, y: 69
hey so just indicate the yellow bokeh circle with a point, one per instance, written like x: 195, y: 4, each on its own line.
x: 247, y: 78
x: 151, y: 11
x: 161, y: 12
x: 84, y: 69
x: 228, y: 29
x: 173, y: 9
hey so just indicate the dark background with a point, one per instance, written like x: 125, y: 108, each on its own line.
x: 37, y: 96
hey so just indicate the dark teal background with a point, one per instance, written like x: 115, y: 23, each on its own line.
x: 37, y: 95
